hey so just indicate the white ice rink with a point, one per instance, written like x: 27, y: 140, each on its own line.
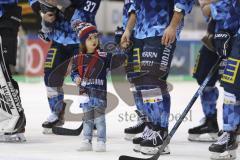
x: 52, y: 147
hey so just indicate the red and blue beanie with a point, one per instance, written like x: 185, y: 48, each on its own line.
x: 84, y: 30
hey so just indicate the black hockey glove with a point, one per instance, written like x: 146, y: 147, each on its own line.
x: 44, y: 7
x: 222, y: 43
x: 43, y: 36
x: 118, y: 34
x: 211, y: 26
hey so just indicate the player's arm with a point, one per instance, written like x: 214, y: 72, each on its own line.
x: 170, y: 32
x: 216, y: 9
x: 181, y: 7
x: 128, y: 31
x: 66, y: 7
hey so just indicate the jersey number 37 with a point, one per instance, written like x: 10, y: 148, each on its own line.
x: 90, y: 6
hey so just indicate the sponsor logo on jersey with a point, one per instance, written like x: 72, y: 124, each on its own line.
x: 99, y: 82
x: 231, y: 70
x: 165, y: 58
x: 147, y: 63
x: 150, y: 54
x: 221, y: 35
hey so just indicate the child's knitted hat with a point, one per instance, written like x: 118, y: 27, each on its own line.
x: 84, y: 30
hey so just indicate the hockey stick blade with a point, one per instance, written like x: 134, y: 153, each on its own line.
x: 67, y: 132
x: 181, y: 118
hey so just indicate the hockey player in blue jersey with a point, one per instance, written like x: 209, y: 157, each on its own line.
x: 12, y: 117
x: 65, y: 44
x: 132, y: 131
x: 157, y: 26
x: 208, y: 130
x: 226, y: 146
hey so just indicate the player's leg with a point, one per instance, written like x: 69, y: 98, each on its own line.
x: 155, y: 64
x: 55, y: 68
x: 226, y: 146
x: 12, y: 118
x: 132, y: 69
x: 208, y: 130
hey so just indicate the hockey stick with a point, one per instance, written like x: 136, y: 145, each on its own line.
x: 180, y: 120
x: 67, y: 132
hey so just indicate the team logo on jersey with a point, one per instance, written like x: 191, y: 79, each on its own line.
x: 231, y: 70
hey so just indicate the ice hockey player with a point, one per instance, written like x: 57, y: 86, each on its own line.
x: 208, y: 130
x: 65, y: 44
x: 12, y: 118
x: 227, y: 45
x: 157, y: 25
x: 132, y: 131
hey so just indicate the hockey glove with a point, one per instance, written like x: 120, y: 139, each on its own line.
x: 118, y: 34
x: 43, y: 36
x: 44, y: 7
x: 222, y: 43
x: 207, y: 41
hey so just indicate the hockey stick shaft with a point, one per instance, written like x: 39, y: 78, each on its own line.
x: 181, y: 118
x: 187, y: 109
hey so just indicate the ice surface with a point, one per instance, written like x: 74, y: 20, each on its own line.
x: 51, y: 147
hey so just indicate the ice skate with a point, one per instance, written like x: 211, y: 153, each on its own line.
x: 206, y: 132
x: 53, y: 120
x: 151, y: 145
x: 137, y: 140
x: 225, y: 148
x: 17, y: 137
x: 131, y: 132
x: 237, y: 132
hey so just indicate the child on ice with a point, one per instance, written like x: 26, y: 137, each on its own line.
x: 89, y: 72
